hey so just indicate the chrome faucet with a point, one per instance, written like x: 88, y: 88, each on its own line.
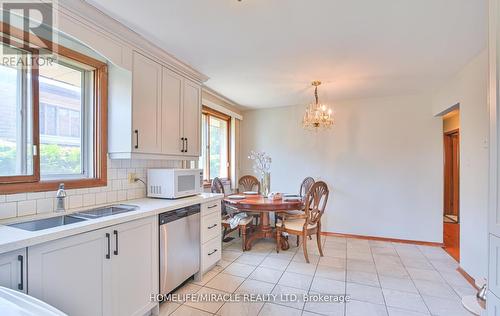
x: 61, y: 199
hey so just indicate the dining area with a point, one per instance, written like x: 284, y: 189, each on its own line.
x: 257, y: 214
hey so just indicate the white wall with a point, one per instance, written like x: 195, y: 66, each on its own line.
x: 382, y: 161
x: 469, y: 88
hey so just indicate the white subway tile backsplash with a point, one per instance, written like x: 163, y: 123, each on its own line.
x: 27, y: 207
x: 121, y: 173
x: 118, y: 189
x: 116, y: 185
x: 89, y: 199
x: 121, y: 195
x: 75, y: 201
x: 44, y: 205
x: 100, y: 198
x: 35, y: 195
x: 15, y: 197
x: 111, y: 197
x: 8, y: 210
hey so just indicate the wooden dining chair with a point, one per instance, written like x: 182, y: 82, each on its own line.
x: 243, y: 225
x: 250, y: 183
x: 305, y: 186
x: 315, y: 203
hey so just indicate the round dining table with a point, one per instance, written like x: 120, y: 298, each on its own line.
x: 263, y: 205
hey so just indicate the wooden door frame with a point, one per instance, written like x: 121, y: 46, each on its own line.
x: 446, y: 138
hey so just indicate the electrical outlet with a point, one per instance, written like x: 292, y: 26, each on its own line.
x: 131, y: 177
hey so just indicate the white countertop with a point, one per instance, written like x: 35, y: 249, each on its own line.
x: 14, y: 238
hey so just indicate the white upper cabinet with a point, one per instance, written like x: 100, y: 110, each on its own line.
x: 191, y: 118
x: 146, y: 105
x: 165, y: 113
x: 171, y: 112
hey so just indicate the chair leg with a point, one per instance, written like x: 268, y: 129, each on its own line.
x: 304, y: 246
x: 243, y: 231
x: 224, y: 233
x: 318, y: 240
x: 298, y: 240
x: 278, y: 240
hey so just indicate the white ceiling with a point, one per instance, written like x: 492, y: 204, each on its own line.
x: 265, y: 53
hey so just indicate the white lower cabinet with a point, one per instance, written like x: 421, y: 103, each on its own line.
x: 13, y: 270
x: 210, y: 235
x: 135, y: 267
x: 110, y: 271
x: 492, y: 305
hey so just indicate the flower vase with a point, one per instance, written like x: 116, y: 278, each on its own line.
x: 265, y: 184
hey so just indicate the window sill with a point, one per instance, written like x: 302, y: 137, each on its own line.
x: 52, y: 185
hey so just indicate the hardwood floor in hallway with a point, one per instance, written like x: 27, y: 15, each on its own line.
x: 452, y: 240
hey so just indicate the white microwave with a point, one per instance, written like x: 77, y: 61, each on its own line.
x: 174, y: 183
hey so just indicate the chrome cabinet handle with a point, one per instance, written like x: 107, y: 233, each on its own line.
x: 115, y: 232
x: 136, y: 138
x: 210, y: 227
x: 108, y: 255
x: 211, y: 253
x: 20, y: 286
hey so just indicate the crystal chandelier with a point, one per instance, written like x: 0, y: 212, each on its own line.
x: 317, y: 115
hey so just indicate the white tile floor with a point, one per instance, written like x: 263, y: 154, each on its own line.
x: 382, y: 278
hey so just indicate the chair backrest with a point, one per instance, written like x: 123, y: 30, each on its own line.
x: 306, y: 185
x: 249, y: 183
x: 315, y: 202
x: 217, y: 186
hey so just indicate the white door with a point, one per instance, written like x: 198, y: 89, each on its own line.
x: 493, y: 305
x: 192, y: 117
x: 134, y: 275
x: 72, y: 274
x: 172, y: 144
x: 13, y: 270
x: 146, y: 105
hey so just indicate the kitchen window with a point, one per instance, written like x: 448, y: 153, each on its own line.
x: 52, y: 119
x: 215, y: 157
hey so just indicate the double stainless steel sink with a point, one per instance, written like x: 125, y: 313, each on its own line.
x: 62, y: 220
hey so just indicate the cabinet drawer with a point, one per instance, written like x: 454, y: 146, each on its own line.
x: 210, y: 207
x: 210, y: 226
x: 211, y: 253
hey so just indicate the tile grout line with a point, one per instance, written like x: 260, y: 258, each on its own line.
x: 441, y: 275
x: 413, y: 281
x: 378, y: 277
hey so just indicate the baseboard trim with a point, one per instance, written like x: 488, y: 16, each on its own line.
x: 404, y: 241
x: 468, y: 277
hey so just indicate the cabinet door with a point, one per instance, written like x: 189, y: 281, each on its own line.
x: 13, y: 270
x: 171, y: 113
x: 146, y: 105
x: 72, y: 274
x: 135, y: 266
x: 192, y: 117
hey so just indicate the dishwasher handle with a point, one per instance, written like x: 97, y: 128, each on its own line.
x: 174, y: 215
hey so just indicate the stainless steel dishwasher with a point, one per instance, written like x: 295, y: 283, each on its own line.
x: 179, y: 246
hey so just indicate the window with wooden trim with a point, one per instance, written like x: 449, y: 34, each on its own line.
x: 53, y: 118
x: 215, y: 144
